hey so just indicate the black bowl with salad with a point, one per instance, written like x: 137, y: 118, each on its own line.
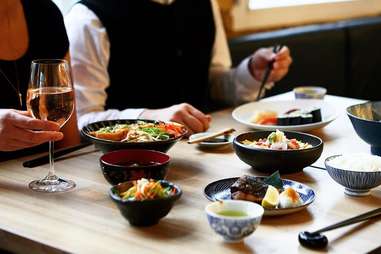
x: 144, y: 202
x: 113, y: 135
x: 269, y: 151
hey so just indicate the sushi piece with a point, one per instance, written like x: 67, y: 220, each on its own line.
x: 306, y: 118
x: 283, y: 120
x: 316, y: 115
x: 295, y: 119
x: 248, y: 188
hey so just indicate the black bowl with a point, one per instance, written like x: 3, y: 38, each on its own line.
x: 366, y: 120
x: 126, y: 165
x: 269, y: 160
x: 146, y: 212
x: 109, y: 145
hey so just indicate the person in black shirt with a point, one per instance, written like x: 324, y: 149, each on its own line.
x: 29, y: 29
x: 159, y: 59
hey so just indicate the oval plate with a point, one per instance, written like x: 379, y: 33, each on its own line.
x: 220, y: 190
x: 244, y: 113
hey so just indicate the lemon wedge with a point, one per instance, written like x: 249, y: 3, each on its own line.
x: 271, y: 198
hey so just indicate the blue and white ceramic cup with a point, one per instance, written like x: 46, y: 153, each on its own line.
x: 309, y: 92
x: 234, y: 228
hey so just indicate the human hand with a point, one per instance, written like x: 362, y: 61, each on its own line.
x: 263, y: 56
x: 19, y: 130
x: 183, y: 113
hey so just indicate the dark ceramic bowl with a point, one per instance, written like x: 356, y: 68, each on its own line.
x: 356, y: 183
x: 269, y: 160
x: 366, y: 120
x: 146, y: 212
x: 126, y: 165
x: 109, y: 145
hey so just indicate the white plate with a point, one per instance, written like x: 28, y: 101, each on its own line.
x: 244, y: 113
x: 215, y: 143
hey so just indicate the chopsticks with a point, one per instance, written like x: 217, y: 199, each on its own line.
x: 211, y: 135
x: 276, y: 49
x: 58, y: 153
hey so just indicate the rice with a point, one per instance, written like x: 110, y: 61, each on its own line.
x: 357, y: 162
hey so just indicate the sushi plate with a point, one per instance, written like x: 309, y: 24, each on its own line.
x: 220, y: 190
x: 245, y: 113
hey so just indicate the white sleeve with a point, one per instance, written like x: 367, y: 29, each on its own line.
x: 233, y: 86
x: 90, y: 54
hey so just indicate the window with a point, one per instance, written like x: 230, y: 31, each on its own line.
x: 263, y: 4
x: 259, y: 15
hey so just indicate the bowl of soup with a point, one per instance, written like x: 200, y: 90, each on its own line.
x: 126, y: 165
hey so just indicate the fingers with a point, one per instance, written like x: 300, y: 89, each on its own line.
x: 35, y: 137
x: 22, y: 120
x: 192, y: 118
x: 204, y: 119
x: 282, y: 54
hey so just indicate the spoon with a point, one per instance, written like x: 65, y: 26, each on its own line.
x: 316, y: 240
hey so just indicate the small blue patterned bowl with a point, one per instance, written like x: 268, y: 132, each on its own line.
x: 234, y: 228
x: 356, y: 183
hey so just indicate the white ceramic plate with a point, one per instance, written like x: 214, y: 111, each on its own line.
x: 244, y: 113
x: 218, y: 142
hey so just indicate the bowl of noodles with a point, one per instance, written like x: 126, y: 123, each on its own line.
x: 111, y: 135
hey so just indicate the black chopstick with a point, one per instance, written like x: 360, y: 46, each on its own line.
x: 276, y: 49
x: 374, y: 213
x: 58, y: 153
x: 313, y: 166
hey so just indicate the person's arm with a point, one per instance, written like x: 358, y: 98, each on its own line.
x: 234, y: 86
x: 90, y: 53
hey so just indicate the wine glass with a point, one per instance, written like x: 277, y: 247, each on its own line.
x: 50, y: 97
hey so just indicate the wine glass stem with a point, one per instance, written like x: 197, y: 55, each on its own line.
x: 52, y: 173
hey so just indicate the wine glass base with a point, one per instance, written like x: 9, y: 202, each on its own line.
x: 52, y: 186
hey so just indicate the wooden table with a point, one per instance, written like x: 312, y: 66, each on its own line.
x: 86, y: 221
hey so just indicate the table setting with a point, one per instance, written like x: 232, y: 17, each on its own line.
x: 242, y: 187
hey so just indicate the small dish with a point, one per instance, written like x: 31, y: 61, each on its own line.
x: 309, y: 92
x: 145, y: 212
x: 234, y: 219
x: 356, y: 183
x: 220, y: 190
x: 126, y: 165
x: 219, y: 142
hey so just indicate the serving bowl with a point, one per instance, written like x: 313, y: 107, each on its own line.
x: 126, y: 165
x: 109, y: 145
x: 270, y: 160
x: 366, y: 120
x: 356, y: 183
x: 234, y: 228
x: 145, y: 212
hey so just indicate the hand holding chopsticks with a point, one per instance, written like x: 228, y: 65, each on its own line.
x: 269, y: 68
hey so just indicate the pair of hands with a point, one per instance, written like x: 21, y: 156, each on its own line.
x: 19, y: 130
x: 197, y: 121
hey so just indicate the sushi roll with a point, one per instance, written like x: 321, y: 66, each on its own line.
x: 316, y: 114
x: 283, y: 120
x: 306, y: 118
x: 294, y: 119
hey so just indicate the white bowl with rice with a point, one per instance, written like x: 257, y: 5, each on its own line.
x: 358, y: 173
